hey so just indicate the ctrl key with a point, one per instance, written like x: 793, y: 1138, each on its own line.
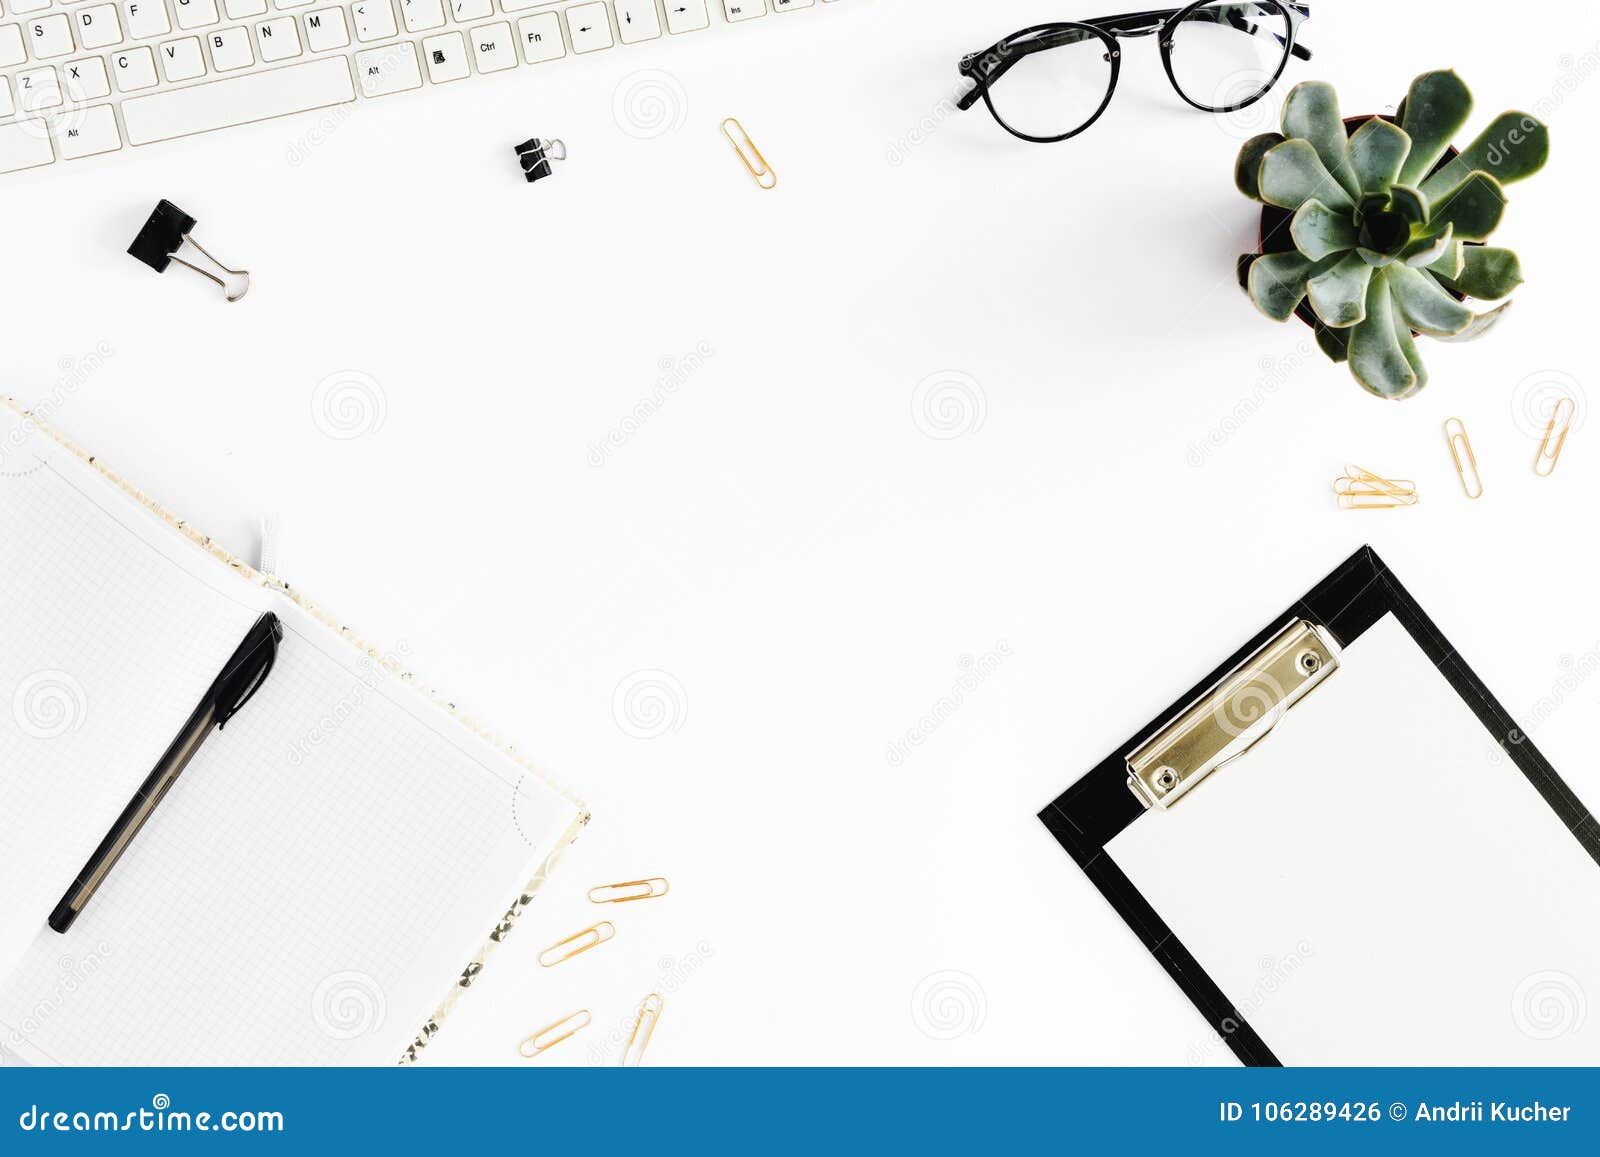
x: 25, y: 144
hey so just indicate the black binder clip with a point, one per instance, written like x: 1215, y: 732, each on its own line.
x: 536, y: 156
x: 165, y: 233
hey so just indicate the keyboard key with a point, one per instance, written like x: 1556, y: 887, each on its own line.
x: 195, y: 13
x: 687, y: 16
x: 50, y: 36
x: 133, y: 70
x: 11, y: 50
x: 20, y: 7
x: 637, y: 20
x: 85, y: 80
x: 89, y: 134
x: 422, y: 14
x: 744, y: 9
x: 239, y: 100
x: 791, y: 5
x: 326, y: 29
x: 390, y: 69
x: 146, y: 18
x: 24, y: 145
x: 519, y: 5
x: 464, y: 10
x: 590, y: 26
x: 277, y: 39
x: 39, y: 89
x: 286, y: 5
x: 374, y: 19
x: 6, y: 107
x: 493, y: 49
x: 182, y: 59
x: 230, y: 49
x: 244, y: 9
x: 446, y: 55
x: 540, y: 35
x: 98, y: 27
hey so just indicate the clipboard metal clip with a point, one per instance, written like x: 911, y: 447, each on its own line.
x: 1231, y: 718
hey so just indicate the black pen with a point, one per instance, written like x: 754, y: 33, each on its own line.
x: 240, y: 679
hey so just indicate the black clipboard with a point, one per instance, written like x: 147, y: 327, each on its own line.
x: 1093, y: 811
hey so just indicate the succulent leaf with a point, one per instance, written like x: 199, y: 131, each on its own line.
x: 1474, y: 208
x: 1277, y: 283
x: 1408, y: 348
x: 1424, y: 251
x: 1247, y: 173
x: 1425, y: 305
x: 1451, y: 262
x: 1319, y: 232
x: 1409, y: 203
x: 1377, y: 358
x: 1514, y: 147
x: 1375, y: 259
x: 1292, y: 173
x: 1378, y: 150
x: 1484, y: 272
x: 1436, y: 108
x: 1481, y: 324
x: 1339, y: 294
x: 1334, y: 342
x: 1311, y: 113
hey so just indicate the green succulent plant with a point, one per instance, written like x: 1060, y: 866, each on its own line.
x: 1387, y: 239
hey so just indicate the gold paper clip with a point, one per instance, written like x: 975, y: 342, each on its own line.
x: 643, y: 1029
x: 628, y: 891
x: 1361, y: 489
x: 536, y: 1044
x: 577, y: 944
x: 1466, y: 461
x: 1545, y: 464
x: 763, y: 173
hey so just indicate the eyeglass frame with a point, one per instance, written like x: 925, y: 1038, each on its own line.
x: 988, y: 66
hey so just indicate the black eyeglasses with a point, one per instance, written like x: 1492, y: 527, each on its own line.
x: 1059, y: 77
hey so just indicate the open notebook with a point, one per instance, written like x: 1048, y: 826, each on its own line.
x: 313, y: 887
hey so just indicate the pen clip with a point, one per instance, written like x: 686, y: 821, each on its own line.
x: 248, y: 669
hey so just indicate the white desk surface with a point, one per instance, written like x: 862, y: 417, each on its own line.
x: 1139, y: 480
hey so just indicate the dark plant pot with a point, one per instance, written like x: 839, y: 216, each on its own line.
x: 1275, y: 221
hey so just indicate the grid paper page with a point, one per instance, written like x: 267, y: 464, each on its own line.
x: 105, y: 648
x: 316, y: 880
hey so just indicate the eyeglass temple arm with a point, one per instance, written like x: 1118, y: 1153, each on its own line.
x: 986, y: 67
x: 1235, y: 15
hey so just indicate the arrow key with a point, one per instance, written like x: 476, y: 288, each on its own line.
x: 686, y: 16
x: 589, y: 26
x: 637, y: 20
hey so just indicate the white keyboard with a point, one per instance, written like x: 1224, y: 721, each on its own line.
x: 79, y: 78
